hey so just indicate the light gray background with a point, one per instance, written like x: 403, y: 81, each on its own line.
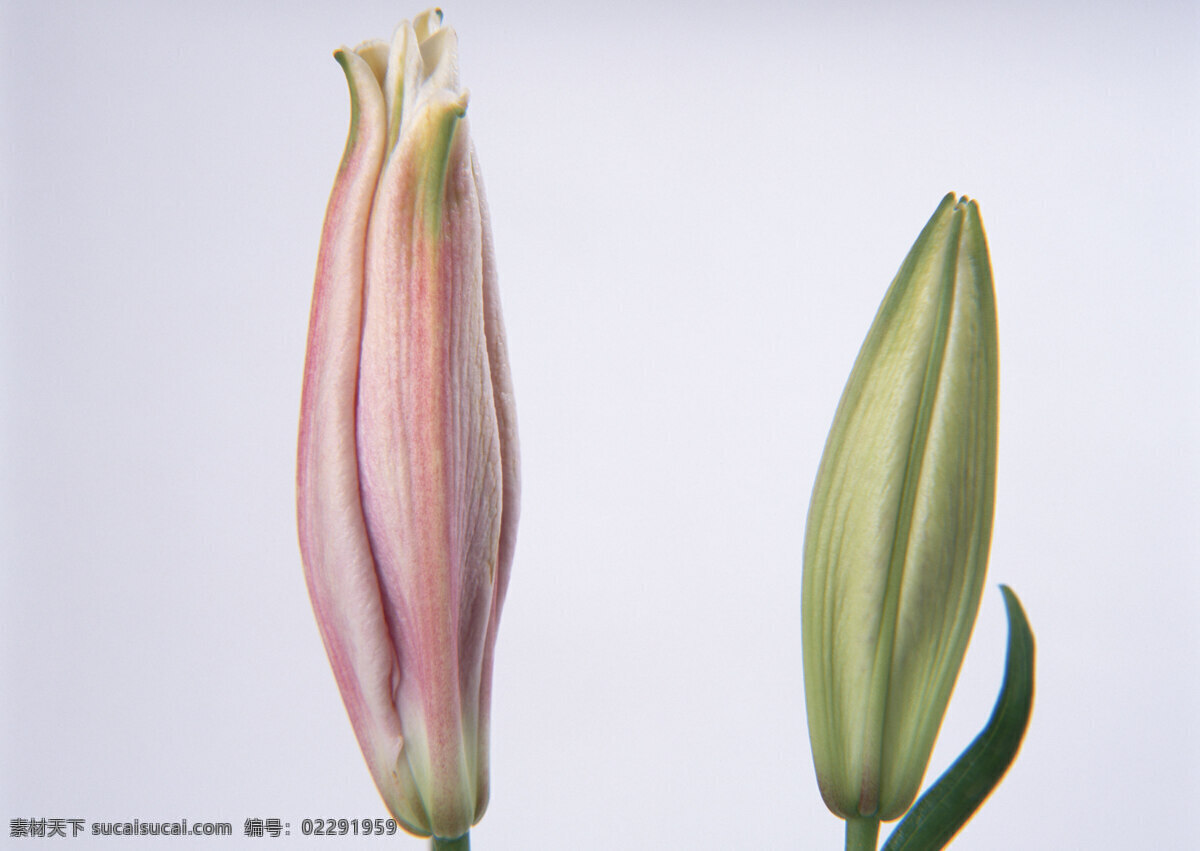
x: 697, y: 212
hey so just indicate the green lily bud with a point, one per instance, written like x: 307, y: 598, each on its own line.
x: 900, y: 523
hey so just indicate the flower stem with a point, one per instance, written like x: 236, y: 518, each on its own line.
x: 862, y: 834
x: 462, y: 843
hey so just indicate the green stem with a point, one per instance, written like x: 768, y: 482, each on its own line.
x: 862, y: 834
x: 463, y: 843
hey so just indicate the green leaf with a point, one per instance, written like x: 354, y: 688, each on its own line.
x: 953, y: 799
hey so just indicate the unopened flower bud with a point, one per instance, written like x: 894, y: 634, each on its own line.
x: 900, y: 523
x: 407, y: 476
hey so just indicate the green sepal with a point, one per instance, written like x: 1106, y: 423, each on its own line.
x: 953, y: 799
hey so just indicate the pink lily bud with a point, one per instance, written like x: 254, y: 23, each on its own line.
x: 407, y: 477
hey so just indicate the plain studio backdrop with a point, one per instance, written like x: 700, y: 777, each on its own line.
x: 697, y: 210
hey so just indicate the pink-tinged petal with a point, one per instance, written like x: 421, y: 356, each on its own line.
x: 510, y: 462
x: 429, y: 447
x: 338, y: 563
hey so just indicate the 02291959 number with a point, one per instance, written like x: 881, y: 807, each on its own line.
x: 347, y: 827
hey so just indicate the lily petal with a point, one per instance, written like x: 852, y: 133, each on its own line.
x: 338, y: 564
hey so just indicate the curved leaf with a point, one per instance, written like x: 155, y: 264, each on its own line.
x: 953, y: 799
